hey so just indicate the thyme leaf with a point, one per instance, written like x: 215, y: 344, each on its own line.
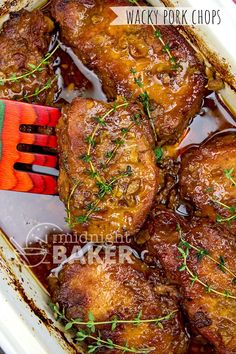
x: 184, y: 248
x: 34, y: 68
x: 229, y: 175
x: 88, y: 329
x: 158, y: 151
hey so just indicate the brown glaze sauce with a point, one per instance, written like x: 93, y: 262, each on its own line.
x: 214, y: 118
x: 73, y: 82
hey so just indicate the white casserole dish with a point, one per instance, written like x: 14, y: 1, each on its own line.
x: 26, y: 324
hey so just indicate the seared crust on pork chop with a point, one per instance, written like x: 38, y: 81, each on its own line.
x: 122, y: 290
x: 131, y: 60
x: 108, y: 175
x: 207, y: 280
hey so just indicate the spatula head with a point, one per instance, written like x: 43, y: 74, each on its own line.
x: 21, y: 148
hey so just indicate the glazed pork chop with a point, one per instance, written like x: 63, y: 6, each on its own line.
x: 131, y: 61
x: 24, y: 42
x: 208, y: 179
x: 108, y: 175
x: 201, y: 257
x: 123, y: 291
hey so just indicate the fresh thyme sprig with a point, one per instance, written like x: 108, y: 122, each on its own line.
x: 109, y: 344
x: 184, y: 248
x: 205, y: 253
x: 232, y: 209
x: 166, y: 49
x: 144, y: 98
x: 104, y: 188
x: 229, y: 175
x: 101, y: 121
x: 159, y: 152
x: 135, y: 121
x: 228, y: 220
x: 116, y: 321
x: 68, y: 219
x: 89, y: 329
x: 33, y: 69
x: 38, y: 90
x: 166, y: 46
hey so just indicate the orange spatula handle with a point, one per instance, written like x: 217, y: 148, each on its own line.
x: 12, y: 116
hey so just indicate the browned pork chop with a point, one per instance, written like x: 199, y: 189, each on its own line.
x: 124, y: 290
x: 127, y: 57
x: 208, y: 179
x: 207, y: 279
x: 108, y: 175
x: 24, y: 42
